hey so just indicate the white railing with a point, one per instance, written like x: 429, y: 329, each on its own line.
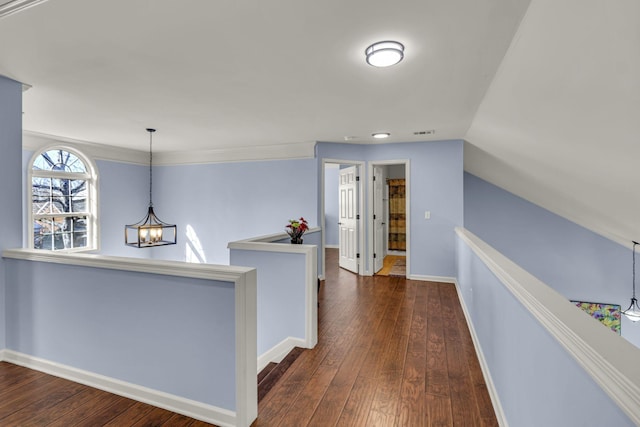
x: 503, y: 342
x: 176, y: 335
x: 287, y: 291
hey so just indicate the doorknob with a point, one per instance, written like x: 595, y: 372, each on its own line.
x: 339, y: 223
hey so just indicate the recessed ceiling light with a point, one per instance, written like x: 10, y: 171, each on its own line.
x: 384, y: 54
x: 381, y: 135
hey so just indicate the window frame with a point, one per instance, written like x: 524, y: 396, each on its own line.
x: 91, y: 212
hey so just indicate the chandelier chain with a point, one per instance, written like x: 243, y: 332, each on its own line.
x: 151, y: 166
x: 634, y: 268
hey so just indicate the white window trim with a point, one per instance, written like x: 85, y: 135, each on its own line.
x: 93, y: 231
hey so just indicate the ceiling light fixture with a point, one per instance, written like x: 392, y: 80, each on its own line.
x: 633, y: 312
x: 381, y: 135
x: 384, y: 54
x: 9, y: 7
x: 150, y: 231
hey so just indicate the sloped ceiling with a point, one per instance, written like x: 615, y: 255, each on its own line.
x: 246, y: 73
x: 559, y: 123
x: 547, y: 103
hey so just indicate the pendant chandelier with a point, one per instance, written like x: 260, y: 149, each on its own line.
x: 150, y: 231
x: 633, y: 312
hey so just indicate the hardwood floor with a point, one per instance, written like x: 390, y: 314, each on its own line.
x: 387, y: 264
x: 31, y: 398
x: 391, y: 352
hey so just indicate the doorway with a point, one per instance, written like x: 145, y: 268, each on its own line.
x: 341, y: 210
x: 389, y: 222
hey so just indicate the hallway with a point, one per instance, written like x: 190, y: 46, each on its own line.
x: 391, y: 352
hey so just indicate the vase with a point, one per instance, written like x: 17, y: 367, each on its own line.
x: 296, y: 241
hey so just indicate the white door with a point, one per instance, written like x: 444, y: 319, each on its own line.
x: 348, y: 219
x: 378, y: 218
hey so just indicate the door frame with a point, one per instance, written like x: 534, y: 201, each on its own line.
x: 360, y: 202
x: 371, y: 231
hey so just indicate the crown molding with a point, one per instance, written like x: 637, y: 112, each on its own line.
x: 301, y: 150
x: 9, y: 7
x: 34, y: 141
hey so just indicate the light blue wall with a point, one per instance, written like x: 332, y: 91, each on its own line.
x: 281, y: 294
x: 436, y: 182
x: 537, y: 381
x: 123, y: 199
x: 225, y: 202
x: 576, y: 262
x: 331, y: 195
x: 172, y: 334
x: 10, y: 173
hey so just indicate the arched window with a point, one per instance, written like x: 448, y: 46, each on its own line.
x: 62, y: 201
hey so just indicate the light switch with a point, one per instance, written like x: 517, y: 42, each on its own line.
x: 427, y: 214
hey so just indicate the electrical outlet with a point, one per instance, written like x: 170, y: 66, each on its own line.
x: 427, y: 214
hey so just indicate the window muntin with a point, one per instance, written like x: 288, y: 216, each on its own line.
x: 62, y: 201
x: 59, y: 160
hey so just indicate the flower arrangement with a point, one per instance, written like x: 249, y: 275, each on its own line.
x: 296, y: 228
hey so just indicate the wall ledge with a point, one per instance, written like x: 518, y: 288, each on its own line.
x: 610, y: 360
x: 268, y: 243
x: 224, y: 273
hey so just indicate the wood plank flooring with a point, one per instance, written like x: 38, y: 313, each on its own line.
x: 31, y: 398
x: 391, y: 352
x: 387, y: 264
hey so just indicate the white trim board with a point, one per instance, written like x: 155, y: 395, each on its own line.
x: 170, y: 402
x: 423, y: 278
x: 225, y: 273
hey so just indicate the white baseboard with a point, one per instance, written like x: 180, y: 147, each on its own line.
x: 279, y: 351
x: 493, y: 393
x: 423, y: 278
x: 2, y: 356
x: 331, y: 246
x: 170, y: 402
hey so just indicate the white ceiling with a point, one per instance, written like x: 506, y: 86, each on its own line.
x: 236, y: 73
x: 559, y: 125
x: 548, y: 107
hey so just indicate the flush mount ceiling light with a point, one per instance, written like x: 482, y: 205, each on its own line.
x: 381, y: 135
x: 384, y: 54
x: 150, y: 231
x: 633, y: 312
x: 9, y: 7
